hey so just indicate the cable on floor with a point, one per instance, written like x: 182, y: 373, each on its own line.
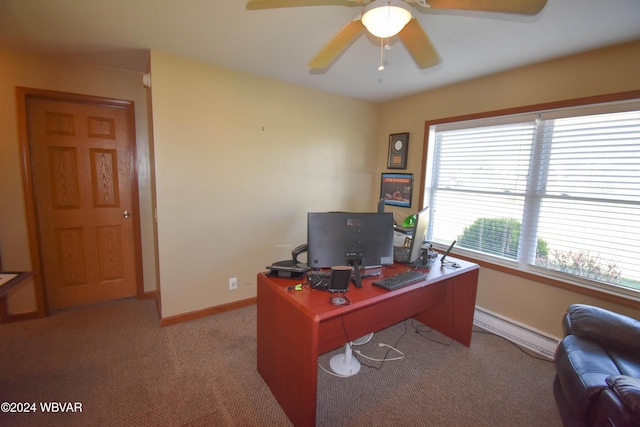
x: 522, y: 349
x: 421, y: 331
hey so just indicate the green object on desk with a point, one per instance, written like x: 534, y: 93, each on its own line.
x: 409, y: 221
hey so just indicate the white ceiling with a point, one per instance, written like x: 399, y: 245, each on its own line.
x: 279, y: 43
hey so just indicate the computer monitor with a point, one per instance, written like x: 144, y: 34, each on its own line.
x: 359, y: 239
x: 419, y: 236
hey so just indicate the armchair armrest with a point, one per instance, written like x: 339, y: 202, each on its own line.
x: 607, y: 328
x: 627, y: 390
x: 619, y: 404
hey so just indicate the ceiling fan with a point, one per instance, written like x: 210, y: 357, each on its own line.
x: 407, y: 28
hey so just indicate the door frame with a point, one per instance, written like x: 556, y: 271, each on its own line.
x: 23, y: 95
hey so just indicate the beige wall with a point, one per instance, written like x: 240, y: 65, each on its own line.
x: 611, y: 70
x: 240, y: 160
x: 65, y: 75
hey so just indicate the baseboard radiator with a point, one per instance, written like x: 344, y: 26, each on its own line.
x: 516, y: 332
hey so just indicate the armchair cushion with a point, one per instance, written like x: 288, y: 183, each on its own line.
x: 609, y: 329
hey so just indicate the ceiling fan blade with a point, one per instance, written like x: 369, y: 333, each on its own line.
x: 525, y: 7
x: 337, y: 45
x: 419, y: 45
x: 273, y: 4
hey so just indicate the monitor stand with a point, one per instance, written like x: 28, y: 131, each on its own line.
x: 357, y: 278
x: 426, y: 260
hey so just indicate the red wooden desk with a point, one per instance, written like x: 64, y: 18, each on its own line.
x: 295, y: 327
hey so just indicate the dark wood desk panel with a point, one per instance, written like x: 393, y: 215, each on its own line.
x: 8, y: 287
x: 295, y: 327
x: 336, y: 331
x: 287, y: 348
x: 12, y: 283
x: 453, y: 317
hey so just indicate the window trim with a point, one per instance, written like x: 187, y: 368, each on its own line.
x: 540, y: 278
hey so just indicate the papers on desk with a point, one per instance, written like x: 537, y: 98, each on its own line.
x: 4, y: 278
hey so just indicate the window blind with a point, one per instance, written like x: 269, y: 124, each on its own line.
x: 552, y: 193
x: 480, y: 182
x: 589, y: 213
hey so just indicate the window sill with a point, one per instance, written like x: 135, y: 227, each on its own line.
x: 562, y: 284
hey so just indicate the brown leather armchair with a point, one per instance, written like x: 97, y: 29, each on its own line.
x: 598, y: 368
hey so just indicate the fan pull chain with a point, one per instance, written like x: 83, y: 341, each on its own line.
x: 381, y: 67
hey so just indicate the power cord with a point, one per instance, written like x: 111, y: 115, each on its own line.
x: 381, y: 361
x: 389, y: 348
x: 332, y: 373
x: 420, y: 332
x: 358, y: 352
x: 544, y: 359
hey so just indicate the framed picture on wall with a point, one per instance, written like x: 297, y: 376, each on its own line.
x: 396, y: 189
x: 398, y: 149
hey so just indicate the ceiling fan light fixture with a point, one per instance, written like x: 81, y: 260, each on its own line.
x: 386, y: 18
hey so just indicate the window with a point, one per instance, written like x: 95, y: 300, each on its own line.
x: 550, y: 192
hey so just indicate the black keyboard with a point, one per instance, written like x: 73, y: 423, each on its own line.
x: 401, y: 279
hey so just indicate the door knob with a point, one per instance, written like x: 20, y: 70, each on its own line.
x: 125, y: 214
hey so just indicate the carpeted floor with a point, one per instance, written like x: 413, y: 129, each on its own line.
x: 124, y: 370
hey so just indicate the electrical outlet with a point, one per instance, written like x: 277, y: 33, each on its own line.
x: 233, y: 283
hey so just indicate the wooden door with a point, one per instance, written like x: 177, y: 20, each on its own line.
x: 83, y: 189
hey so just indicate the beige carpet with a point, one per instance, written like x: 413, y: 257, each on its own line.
x: 125, y: 370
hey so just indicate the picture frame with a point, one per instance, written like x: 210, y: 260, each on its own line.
x: 398, y: 149
x: 396, y: 189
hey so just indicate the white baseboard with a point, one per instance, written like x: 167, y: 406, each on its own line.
x: 516, y: 332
